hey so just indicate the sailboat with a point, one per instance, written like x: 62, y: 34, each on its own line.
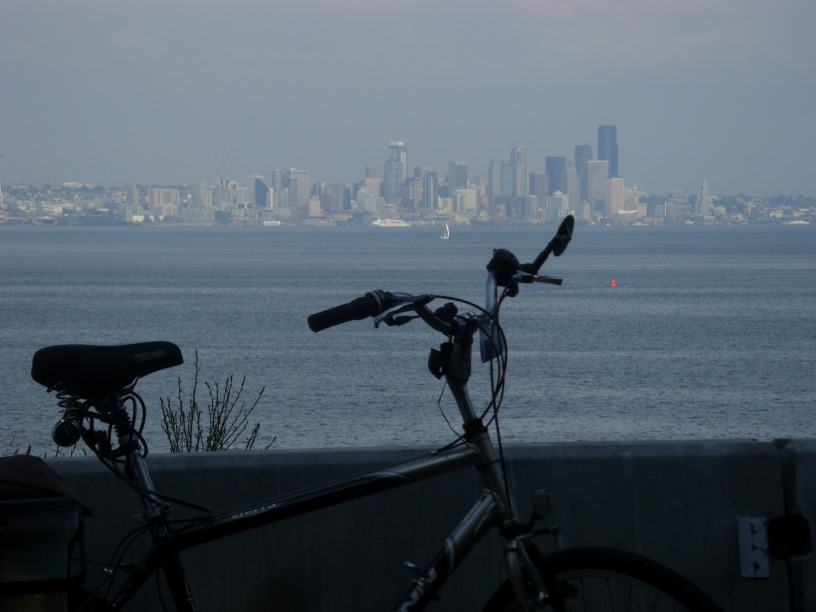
x: 613, y: 283
x: 446, y: 234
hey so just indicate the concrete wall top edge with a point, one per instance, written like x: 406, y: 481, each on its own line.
x: 393, y: 455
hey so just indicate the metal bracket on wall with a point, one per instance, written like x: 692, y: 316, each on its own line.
x: 753, y: 547
x: 761, y: 540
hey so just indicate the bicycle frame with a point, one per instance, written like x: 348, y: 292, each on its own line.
x: 494, y: 508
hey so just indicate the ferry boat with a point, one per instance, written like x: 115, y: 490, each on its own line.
x: 390, y: 223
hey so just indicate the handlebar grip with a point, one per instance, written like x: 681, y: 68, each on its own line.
x: 369, y: 305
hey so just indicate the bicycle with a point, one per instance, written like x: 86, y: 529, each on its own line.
x: 95, y: 384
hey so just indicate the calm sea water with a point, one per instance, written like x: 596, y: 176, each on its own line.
x: 710, y: 333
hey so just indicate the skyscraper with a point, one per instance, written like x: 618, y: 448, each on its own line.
x: 615, y: 197
x: 500, y: 182
x: 457, y: 176
x: 297, y: 182
x: 258, y: 191
x: 608, y: 147
x: 583, y: 154
x: 395, y: 171
x: 597, y: 171
x: 556, y: 168
x: 704, y: 201
x: 539, y: 185
x: 430, y: 191
x: 521, y: 184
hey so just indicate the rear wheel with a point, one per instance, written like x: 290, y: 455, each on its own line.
x: 605, y: 580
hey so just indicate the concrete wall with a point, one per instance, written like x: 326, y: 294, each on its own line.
x: 677, y: 502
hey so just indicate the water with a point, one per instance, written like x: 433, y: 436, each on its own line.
x: 710, y: 333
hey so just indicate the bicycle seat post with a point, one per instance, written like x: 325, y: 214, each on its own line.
x: 135, y: 465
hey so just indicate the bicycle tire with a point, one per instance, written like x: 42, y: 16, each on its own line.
x: 602, y: 579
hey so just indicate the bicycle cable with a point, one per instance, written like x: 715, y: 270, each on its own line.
x: 497, y: 381
x: 113, y: 463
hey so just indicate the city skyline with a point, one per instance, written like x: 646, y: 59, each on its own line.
x: 168, y: 92
x: 581, y: 176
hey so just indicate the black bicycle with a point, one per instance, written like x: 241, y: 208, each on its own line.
x: 95, y: 386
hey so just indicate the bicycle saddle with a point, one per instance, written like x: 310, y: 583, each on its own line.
x: 93, y: 372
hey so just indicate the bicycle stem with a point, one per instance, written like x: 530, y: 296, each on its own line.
x: 456, y: 370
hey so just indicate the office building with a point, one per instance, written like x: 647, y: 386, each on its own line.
x: 539, y: 185
x: 597, y: 172
x: 518, y: 160
x: 494, y: 182
x: 583, y: 154
x: 297, y: 182
x: 608, y: 147
x: 258, y: 191
x: 395, y: 171
x: 556, y: 168
x: 457, y: 176
x: 704, y: 201
x: 430, y: 190
x: 615, y: 198
x: 573, y: 185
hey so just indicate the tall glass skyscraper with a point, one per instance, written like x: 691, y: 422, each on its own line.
x: 457, y: 176
x: 556, y: 168
x: 395, y: 171
x: 521, y: 182
x: 608, y: 147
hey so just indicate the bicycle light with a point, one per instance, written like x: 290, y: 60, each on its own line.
x: 67, y: 432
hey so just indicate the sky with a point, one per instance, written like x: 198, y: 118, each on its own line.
x: 170, y: 92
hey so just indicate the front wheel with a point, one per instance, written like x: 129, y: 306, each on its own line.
x: 606, y: 580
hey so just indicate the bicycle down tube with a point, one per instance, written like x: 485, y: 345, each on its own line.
x: 477, y: 452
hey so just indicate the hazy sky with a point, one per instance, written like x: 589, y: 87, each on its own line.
x: 174, y: 91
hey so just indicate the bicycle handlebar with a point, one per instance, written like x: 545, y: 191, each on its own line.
x: 504, y: 269
x: 369, y: 305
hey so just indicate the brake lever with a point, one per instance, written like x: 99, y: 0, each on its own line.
x: 386, y: 316
x: 526, y: 277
